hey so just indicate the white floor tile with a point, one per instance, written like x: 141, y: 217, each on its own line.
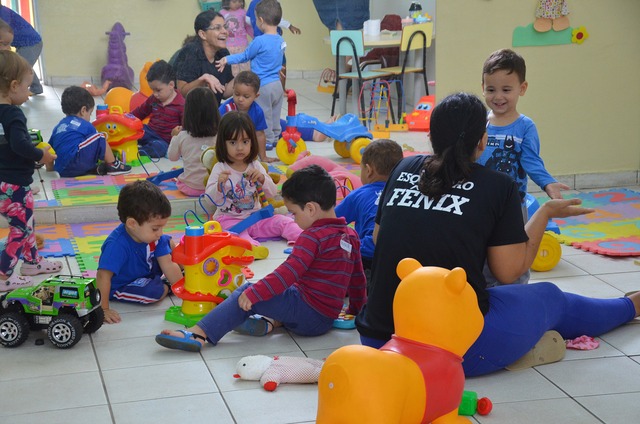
x: 86, y: 414
x: 274, y: 407
x: 47, y: 393
x: 594, y: 376
x: 565, y: 411
x: 194, y: 409
x: 158, y: 381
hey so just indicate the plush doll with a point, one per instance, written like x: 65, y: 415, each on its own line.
x: 279, y: 369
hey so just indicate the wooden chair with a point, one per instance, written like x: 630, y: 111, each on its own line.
x: 414, y: 37
x: 350, y: 43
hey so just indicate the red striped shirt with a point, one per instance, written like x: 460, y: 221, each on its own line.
x: 162, y: 119
x: 324, y: 265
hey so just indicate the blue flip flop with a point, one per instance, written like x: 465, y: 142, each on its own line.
x: 189, y: 342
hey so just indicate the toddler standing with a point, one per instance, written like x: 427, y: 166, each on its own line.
x: 238, y: 178
x: 18, y: 158
x: 198, y: 132
x: 265, y: 53
x: 238, y: 29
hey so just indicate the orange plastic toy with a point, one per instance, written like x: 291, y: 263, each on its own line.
x: 420, y: 118
x: 417, y: 376
x: 122, y: 130
x: 119, y: 96
x: 213, y: 263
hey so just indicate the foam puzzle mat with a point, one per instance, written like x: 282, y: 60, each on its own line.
x: 612, y: 230
x: 96, y: 189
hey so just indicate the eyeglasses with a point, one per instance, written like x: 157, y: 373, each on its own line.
x: 217, y: 27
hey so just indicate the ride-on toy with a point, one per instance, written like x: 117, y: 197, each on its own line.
x: 350, y: 136
x: 65, y: 305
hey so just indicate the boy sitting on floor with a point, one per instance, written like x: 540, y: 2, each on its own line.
x: 360, y: 206
x: 136, y: 254
x: 165, y: 109
x: 77, y: 143
x: 306, y: 292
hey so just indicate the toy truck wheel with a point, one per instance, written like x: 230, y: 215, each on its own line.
x: 64, y: 331
x: 283, y: 152
x: 94, y: 321
x: 341, y: 148
x: 549, y: 254
x: 14, y: 329
x: 357, y: 146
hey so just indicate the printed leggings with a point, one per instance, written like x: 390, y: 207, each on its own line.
x: 16, y: 205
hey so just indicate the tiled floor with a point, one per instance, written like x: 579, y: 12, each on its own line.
x: 119, y: 374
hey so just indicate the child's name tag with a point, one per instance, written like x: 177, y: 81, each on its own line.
x: 346, y: 246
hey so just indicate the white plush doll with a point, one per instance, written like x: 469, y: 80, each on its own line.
x: 279, y: 369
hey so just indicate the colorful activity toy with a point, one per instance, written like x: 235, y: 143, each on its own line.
x: 122, y: 130
x: 213, y: 263
x: 418, y: 374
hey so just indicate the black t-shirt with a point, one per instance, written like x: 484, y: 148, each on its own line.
x: 192, y: 63
x: 454, y: 231
x: 18, y: 155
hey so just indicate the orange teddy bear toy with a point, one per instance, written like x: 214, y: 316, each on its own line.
x: 417, y: 376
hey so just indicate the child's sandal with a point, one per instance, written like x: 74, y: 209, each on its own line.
x: 15, y: 282
x: 42, y: 267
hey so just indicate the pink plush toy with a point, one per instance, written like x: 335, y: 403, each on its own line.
x: 338, y: 172
x: 271, y: 371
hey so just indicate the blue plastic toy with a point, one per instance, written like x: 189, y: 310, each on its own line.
x: 350, y: 136
x: 163, y: 176
x: 265, y: 212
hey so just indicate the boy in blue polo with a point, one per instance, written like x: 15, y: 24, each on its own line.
x: 77, y: 143
x: 136, y: 254
x: 246, y: 87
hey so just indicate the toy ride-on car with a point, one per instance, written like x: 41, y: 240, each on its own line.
x: 65, y: 306
x: 351, y: 137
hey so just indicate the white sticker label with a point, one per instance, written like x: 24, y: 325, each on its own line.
x: 346, y: 246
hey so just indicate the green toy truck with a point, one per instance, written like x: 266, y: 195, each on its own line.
x: 64, y: 305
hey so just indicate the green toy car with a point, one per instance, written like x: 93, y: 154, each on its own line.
x: 65, y: 305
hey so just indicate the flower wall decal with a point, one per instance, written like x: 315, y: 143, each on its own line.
x: 578, y: 35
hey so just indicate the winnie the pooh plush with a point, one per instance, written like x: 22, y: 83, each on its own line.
x: 417, y: 376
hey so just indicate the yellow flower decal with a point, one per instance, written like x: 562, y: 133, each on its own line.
x: 578, y: 35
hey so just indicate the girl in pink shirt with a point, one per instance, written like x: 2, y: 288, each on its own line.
x: 238, y: 29
x: 238, y: 180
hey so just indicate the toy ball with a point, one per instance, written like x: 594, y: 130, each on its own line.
x: 119, y: 96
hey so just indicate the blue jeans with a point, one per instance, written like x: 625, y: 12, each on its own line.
x: 520, y: 314
x: 152, y: 144
x: 288, y: 308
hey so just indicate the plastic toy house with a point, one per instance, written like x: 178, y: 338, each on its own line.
x: 213, y: 263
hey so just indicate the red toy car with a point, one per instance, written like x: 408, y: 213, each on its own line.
x: 420, y: 118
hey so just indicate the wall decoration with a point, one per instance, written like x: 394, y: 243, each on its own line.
x: 550, y: 27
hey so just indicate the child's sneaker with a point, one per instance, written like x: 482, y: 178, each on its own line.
x: 115, y: 168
